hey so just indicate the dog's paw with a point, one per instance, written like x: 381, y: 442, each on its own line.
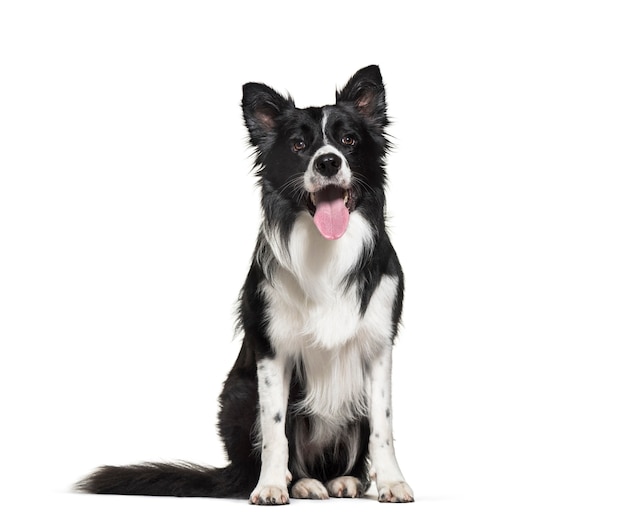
x: 395, y: 492
x: 345, y: 487
x: 308, y: 488
x: 270, y: 495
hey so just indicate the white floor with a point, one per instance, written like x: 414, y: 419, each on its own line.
x: 78, y: 511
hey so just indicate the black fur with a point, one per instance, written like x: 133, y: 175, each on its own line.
x: 275, y: 128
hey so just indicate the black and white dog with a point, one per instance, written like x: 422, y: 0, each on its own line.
x: 306, y: 408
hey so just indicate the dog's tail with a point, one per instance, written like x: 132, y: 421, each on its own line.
x: 179, y: 479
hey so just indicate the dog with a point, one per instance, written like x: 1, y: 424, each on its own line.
x: 305, y: 411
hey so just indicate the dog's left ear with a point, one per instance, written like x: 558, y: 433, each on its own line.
x: 365, y: 91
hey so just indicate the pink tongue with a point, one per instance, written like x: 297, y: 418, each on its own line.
x: 331, y: 214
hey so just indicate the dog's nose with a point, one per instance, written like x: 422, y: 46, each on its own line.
x: 328, y: 164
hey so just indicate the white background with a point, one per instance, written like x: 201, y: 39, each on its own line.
x: 128, y: 215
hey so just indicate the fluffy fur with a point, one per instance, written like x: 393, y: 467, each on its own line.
x: 306, y: 409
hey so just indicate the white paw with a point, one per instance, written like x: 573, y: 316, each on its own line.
x: 345, y: 487
x: 272, y: 495
x: 395, y: 492
x: 308, y: 488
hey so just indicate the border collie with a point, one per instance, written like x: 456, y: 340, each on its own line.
x: 306, y: 409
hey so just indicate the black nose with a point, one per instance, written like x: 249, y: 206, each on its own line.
x: 328, y: 164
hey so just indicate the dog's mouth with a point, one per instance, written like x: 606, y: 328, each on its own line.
x: 331, y: 207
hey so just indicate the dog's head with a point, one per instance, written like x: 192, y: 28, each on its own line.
x: 328, y: 161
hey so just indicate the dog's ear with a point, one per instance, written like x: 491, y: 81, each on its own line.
x: 261, y: 107
x: 365, y: 91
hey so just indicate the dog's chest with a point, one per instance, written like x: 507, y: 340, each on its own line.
x: 327, y: 317
x: 309, y: 303
x: 316, y: 321
x: 330, y: 342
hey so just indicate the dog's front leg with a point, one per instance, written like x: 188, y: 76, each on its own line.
x: 386, y: 472
x: 273, y: 382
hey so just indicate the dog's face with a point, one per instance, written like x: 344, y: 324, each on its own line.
x: 327, y: 161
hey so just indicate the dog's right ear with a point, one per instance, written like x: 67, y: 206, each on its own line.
x: 262, y: 107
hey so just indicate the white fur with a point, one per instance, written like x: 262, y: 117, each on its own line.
x: 315, y: 320
x: 344, y: 356
x: 385, y: 468
x: 324, y: 122
x: 273, y: 379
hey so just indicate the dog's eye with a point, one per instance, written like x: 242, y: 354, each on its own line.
x: 298, y: 145
x: 348, y: 141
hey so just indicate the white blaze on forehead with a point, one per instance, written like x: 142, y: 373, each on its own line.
x: 324, y: 122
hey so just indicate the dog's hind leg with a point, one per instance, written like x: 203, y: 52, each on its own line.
x: 346, y: 486
x: 308, y: 488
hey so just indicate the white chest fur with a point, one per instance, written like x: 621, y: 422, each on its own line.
x: 316, y: 321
